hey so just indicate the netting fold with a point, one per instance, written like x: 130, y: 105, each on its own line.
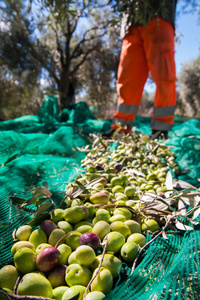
x: 43, y: 148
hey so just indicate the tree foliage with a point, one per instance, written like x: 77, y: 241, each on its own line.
x: 189, y: 89
x: 18, y: 95
x: 19, y: 74
x: 16, y: 39
x: 55, y: 38
x: 99, y: 73
x: 70, y: 31
x: 65, y: 42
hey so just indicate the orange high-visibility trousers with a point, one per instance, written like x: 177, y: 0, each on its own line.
x: 147, y: 49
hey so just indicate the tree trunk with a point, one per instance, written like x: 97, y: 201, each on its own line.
x: 64, y: 88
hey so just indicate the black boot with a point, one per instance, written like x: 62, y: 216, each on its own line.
x: 108, y: 134
x: 159, y: 134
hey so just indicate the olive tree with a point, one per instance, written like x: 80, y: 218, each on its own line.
x: 189, y: 89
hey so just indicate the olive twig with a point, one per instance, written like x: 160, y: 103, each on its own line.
x: 11, y: 296
x: 146, y: 245
x: 100, y: 264
x: 16, y: 284
x: 63, y: 237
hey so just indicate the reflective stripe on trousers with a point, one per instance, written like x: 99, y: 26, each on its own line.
x: 147, y: 49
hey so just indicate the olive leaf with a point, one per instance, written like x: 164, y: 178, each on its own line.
x: 116, y: 131
x: 182, y: 226
x: 78, y: 191
x: 85, y: 149
x: 148, y: 197
x: 193, y: 211
x: 14, y: 234
x: 136, y: 172
x: 196, y: 213
x: 81, y: 188
x: 191, y: 199
x: 164, y: 235
x: 43, y: 208
x: 156, y: 202
x: 17, y: 200
x: 155, y: 149
x: 10, y: 159
x: 40, y: 191
x: 182, y: 207
x: 96, y: 141
x: 41, y: 214
x: 39, y: 201
x: 156, y: 205
x: 37, y: 221
x: 180, y: 184
x: 169, y: 181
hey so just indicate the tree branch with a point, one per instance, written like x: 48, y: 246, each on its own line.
x: 59, y: 48
x: 146, y: 245
x: 97, y: 271
x: 84, y: 39
x: 83, y: 59
x: 10, y: 296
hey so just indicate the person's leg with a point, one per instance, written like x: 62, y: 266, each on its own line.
x: 159, y: 47
x: 132, y: 75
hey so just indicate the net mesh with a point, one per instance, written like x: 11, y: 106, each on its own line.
x: 169, y: 270
x: 43, y: 148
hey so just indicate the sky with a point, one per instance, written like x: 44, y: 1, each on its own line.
x: 189, y: 46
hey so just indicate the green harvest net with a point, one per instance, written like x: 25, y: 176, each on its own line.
x: 40, y: 150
